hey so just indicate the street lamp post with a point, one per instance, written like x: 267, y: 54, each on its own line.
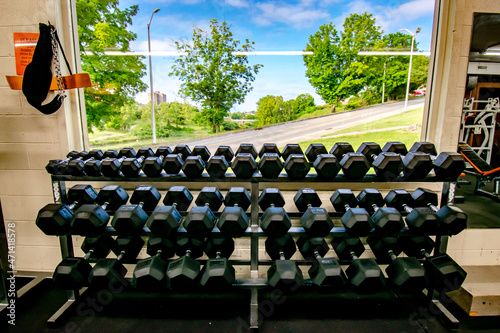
x: 153, y: 125
x: 411, y: 58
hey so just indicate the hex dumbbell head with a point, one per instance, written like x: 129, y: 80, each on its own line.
x: 73, y: 273
x: 356, y: 221
x: 416, y: 165
x: 164, y: 221
x: 152, y: 166
x: 184, y: 150
x: 296, y: 166
x: 395, y: 147
x: 131, y: 167
x: 145, y: 152
x: 364, y: 274
x: 225, y: 151
x: 339, y: 149
x: 370, y: 150
x: 271, y: 197
x: 201, y: 151
x: 354, y: 165
x: 183, y: 273
x: 244, y: 165
x: 211, y: 196
x: 200, y: 221
x: 306, y: 197
x: 172, y: 164
x: 218, y: 273
x: 289, y: 149
x: 217, y: 166
x: 146, y: 195
x: 193, y: 166
x: 325, y: 273
x: 316, y: 222
x: 150, y: 273
x: 127, y: 152
x: 449, y: 166
x: 163, y: 151
x: 388, y: 166
x: 269, y: 148
x: 284, y: 275
x: 275, y: 222
x: 326, y: 166
x: 238, y: 196
x: 247, y: 148
x: 178, y: 196
x: 233, y: 222
x: 270, y: 165
x: 314, y: 150
x: 111, y: 153
x: 92, y: 168
x: 386, y: 220
x: 424, y: 147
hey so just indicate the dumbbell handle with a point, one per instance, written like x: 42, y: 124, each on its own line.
x: 424, y: 253
x: 72, y: 205
x: 433, y: 207
x: 347, y: 207
x: 121, y: 255
x: 407, y: 208
x: 158, y: 253
x: 317, y: 255
x: 282, y: 255
x: 375, y: 207
x: 353, y: 255
x: 88, y: 254
x: 392, y: 254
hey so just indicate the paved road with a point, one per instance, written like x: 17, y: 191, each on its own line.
x: 304, y: 130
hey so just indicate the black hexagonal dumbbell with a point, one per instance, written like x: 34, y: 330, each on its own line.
x: 406, y: 274
x: 387, y: 165
x: 183, y: 150
x: 201, y: 220
x: 217, y: 166
x: 218, y: 273
x: 130, y: 219
x: 193, y: 166
x: 269, y: 148
x: 354, y: 165
x: 270, y: 165
x: 58, y: 167
x: 172, y: 164
x: 420, y: 220
x: 243, y: 164
x: 110, y: 166
x: 296, y: 164
x: 225, y: 151
x: 233, y: 221
x: 357, y: 221
x: 55, y: 219
x: 325, y: 273
x: 386, y: 220
x: 284, y: 274
x: 76, y: 167
x: 364, y: 274
x: 92, y: 167
x: 447, y: 166
x: 150, y: 274
x: 73, y: 273
x: 275, y: 222
x: 452, y: 220
x: 132, y: 166
x: 183, y: 273
x: 165, y: 220
x: 315, y: 220
x: 314, y: 150
x: 443, y: 272
x: 91, y: 220
x: 109, y: 271
x: 201, y: 151
x: 153, y: 165
x: 327, y: 166
x: 416, y: 165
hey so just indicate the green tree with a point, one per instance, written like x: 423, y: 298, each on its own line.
x: 212, y: 74
x: 102, y: 26
x: 273, y: 109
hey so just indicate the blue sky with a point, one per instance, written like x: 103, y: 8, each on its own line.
x: 273, y: 26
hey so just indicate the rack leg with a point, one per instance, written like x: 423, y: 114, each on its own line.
x: 254, y: 310
x: 58, y: 316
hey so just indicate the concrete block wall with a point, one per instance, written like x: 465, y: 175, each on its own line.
x: 28, y: 139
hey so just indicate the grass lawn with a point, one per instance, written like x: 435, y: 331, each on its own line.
x: 403, y: 135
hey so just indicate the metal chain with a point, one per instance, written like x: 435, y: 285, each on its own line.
x: 57, y: 65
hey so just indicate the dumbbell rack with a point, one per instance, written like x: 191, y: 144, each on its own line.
x: 254, y: 232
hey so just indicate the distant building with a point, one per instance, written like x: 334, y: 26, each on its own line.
x: 158, y: 97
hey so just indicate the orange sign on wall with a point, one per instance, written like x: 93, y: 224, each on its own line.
x: 24, y: 46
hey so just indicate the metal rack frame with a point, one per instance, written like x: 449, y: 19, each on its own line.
x: 254, y: 232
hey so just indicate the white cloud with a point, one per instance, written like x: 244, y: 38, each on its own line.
x: 296, y: 15
x: 237, y: 3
